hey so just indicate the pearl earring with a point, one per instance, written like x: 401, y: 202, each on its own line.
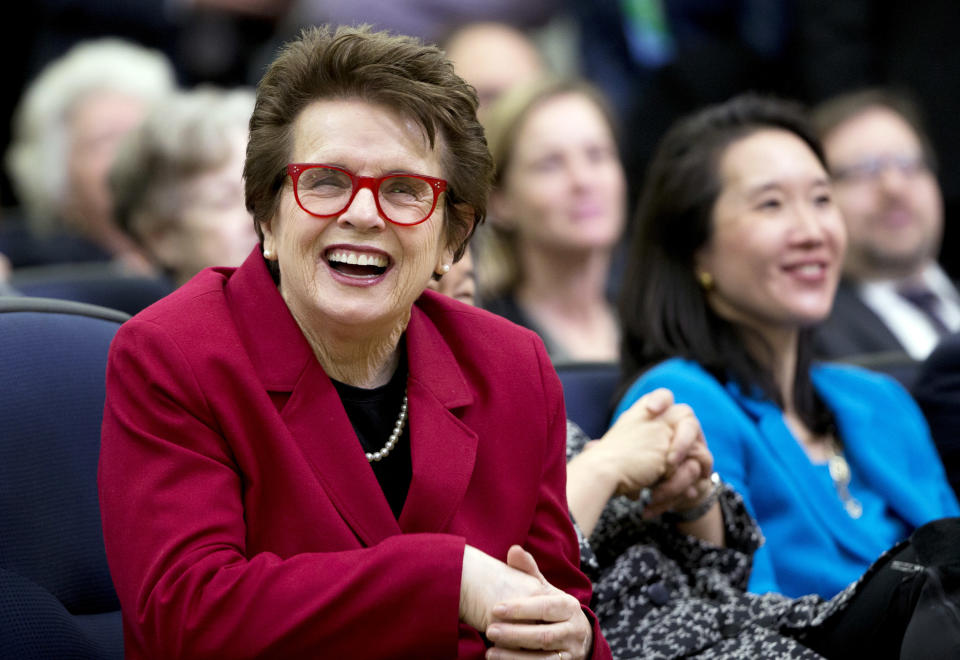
x: 267, y: 254
x: 445, y: 268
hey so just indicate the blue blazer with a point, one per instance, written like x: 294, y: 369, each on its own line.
x: 812, y: 544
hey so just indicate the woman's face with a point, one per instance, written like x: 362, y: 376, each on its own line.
x: 315, y: 280
x: 565, y: 188
x: 214, y: 227
x: 778, y: 239
x: 97, y: 124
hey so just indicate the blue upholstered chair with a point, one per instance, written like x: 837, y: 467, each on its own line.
x: 897, y: 364
x: 588, y: 389
x: 95, y: 283
x: 56, y: 596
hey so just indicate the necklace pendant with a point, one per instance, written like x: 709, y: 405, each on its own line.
x: 839, y: 469
x: 840, y: 474
x: 853, y: 507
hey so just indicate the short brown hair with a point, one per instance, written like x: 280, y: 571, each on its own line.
x: 828, y: 115
x: 398, y: 72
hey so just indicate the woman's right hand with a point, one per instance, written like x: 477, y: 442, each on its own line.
x: 527, y: 628
x: 642, y: 449
x: 486, y: 582
x: 636, y: 449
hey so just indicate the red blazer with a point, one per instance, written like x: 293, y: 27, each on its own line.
x: 242, y: 519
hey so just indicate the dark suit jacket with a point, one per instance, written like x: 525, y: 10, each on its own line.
x: 937, y: 390
x: 853, y: 328
x: 241, y: 518
x: 854, y: 333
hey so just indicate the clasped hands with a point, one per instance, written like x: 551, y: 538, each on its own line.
x: 657, y: 444
x: 522, y: 614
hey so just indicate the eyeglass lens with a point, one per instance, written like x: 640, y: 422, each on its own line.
x: 403, y: 199
x: 871, y: 168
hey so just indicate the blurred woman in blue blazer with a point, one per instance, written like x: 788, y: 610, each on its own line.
x: 737, y: 252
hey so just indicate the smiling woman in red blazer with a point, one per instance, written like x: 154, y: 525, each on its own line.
x: 307, y: 456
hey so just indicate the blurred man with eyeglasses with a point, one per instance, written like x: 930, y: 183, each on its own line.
x: 895, y: 298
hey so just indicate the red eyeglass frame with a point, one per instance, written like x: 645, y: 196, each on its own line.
x: 370, y: 182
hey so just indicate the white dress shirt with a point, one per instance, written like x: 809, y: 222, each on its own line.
x: 910, y: 325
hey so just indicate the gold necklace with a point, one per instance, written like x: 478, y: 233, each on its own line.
x: 840, y: 473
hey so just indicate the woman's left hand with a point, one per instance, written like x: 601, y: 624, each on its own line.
x: 547, y: 626
x: 690, y: 464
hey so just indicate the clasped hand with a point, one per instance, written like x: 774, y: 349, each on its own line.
x: 522, y: 614
x: 659, y: 444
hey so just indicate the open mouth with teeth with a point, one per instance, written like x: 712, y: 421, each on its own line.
x: 812, y: 272
x: 808, y: 269
x: 357, y: 264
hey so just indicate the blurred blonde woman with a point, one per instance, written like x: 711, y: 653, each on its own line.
x: 178, y: 182
x: 557, y: 212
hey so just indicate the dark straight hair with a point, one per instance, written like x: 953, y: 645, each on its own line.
x: 663, y: 308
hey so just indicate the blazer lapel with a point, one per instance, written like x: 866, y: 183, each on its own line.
x: 876, y: 335
x: 443, y: 448
x: 319, y: 424
x: 313, y: 414
x: 823, y: 504
x: 853, y: 328
x: 858, y: 420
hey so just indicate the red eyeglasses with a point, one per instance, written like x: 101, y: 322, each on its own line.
x: 403, y: 199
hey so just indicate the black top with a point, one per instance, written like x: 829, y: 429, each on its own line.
x: 508, y: 307
x: 373, y: 414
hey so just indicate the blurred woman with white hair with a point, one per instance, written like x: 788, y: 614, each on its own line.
x: 65, y: 132
x: 177, y: 182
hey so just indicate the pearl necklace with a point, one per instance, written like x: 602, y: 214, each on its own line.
x: 372, y: 457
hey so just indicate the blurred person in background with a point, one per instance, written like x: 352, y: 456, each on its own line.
x: 460, y: 282
x: 429, y: 20
x: 493, y: 57
x: 66, y: 131
x: 177, y: 182
x: 5, y: 288
x: 737, y: 253
x: 557, y: 212
x: 894, y: 295
x: 937, y: 391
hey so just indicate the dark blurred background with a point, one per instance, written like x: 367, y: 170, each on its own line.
x: 657, y: 59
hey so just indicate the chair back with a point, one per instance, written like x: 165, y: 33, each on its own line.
x: 897, y: 364
x: 588, y: 389
x: 98, y: 283
x: 56, y: 596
